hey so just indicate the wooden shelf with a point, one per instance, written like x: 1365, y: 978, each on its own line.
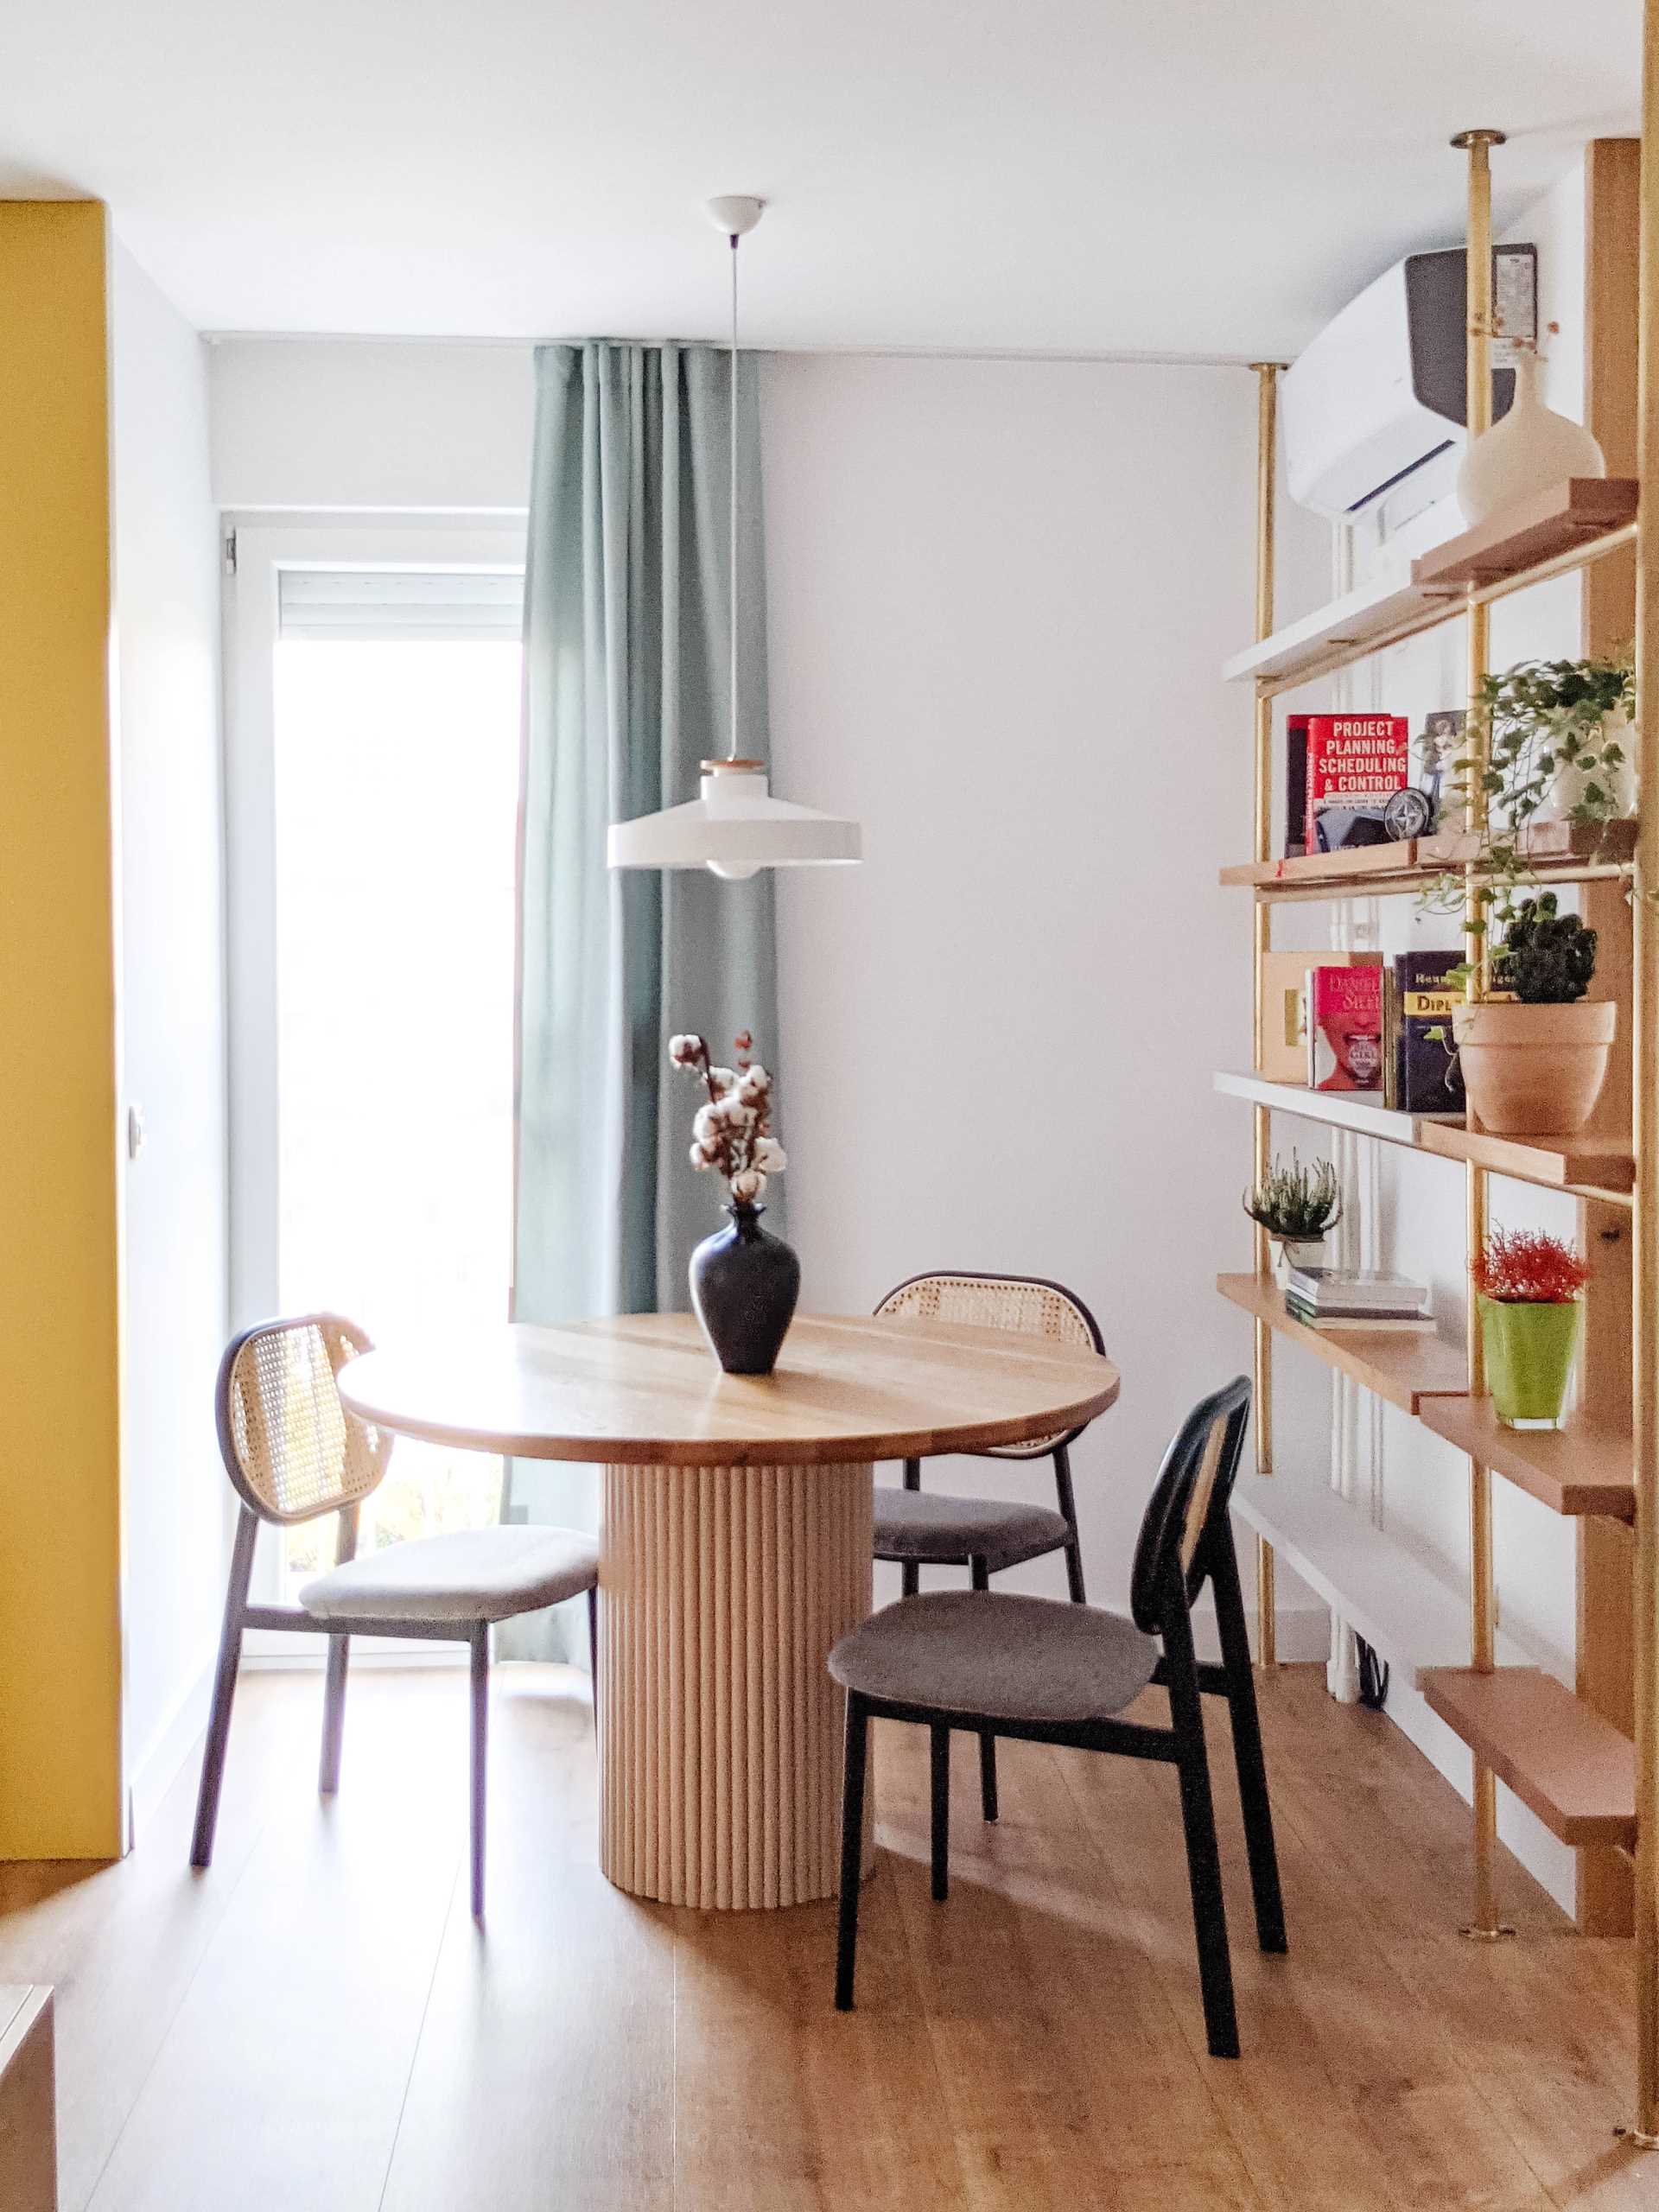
x: 1574, y: 1769
x: 1601, y: 1168
x: 1389, y: 1595
x: 1558, y: 521
x: 1573, y: 523
x: 1577, y: 1469
x: 1600, y: 1165
x: 1403, y: 1366
x: 1344, y: 629
x: 1556, y: 852
x: 1359, y: 1110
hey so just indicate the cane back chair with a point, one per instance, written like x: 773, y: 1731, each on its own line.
x: 294, y: 1454
x: 1048, y: 1673
x: 916, y: 1528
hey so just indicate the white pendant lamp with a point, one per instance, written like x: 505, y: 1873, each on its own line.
x: 734, y: 826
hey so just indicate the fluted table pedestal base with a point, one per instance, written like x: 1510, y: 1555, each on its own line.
x: 720, y: 1731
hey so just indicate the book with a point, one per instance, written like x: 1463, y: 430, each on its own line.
x: 1364, y: 1324
x: 1295, y: 786
x: 1420, y: 1073
x: 1345, y: 1028
x: 1375, y: 1283
x: 1355, y: 763
x: 1283, y: 1056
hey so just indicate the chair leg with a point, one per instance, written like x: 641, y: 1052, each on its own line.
x: 1068, y: 1510
x: 852, y: 1846
x: 980, y: 1574
x: 480, y: 1671
x: 1247, y: 1748
x: 910, y: 1574
x: 230, y: 1661
x: 333, y: 1714
x: 941, y: 1831
x: 1203, y: 1853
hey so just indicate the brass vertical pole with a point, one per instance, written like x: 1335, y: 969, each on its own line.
x: 1267, y: 406
x: 1483, y: 1597
x: 1646, y: 1066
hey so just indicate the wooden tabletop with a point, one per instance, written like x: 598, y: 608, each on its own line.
x: 646, y: 1390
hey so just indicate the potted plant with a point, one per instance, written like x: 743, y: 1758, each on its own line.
x: 1534, y: 1055
x: 1557, y: 749
x: 1530, y: 1289
x: 1299, y: 1207
x: 744, y: 1281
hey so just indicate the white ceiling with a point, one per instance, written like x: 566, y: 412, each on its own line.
x: 1209, y: 177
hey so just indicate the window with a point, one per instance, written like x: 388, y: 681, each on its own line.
x: 378, y: 718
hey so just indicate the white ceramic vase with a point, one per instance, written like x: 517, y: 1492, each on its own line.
x: 1531, y: 448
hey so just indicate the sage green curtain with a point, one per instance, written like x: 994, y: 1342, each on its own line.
x: 627, y: 691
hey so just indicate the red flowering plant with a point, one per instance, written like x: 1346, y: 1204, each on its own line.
x: 732, y: 1133
x: 1524, y: 1266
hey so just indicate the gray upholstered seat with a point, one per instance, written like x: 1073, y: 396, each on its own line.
x: 473, y: 1574
x: 927, y: 1525
x: 988, y: 1654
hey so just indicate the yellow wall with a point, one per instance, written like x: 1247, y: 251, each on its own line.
x: 60, y: 1785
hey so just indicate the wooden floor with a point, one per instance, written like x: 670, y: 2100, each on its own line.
x: 316, y: 2025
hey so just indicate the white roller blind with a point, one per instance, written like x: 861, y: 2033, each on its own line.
x: 400, y: 603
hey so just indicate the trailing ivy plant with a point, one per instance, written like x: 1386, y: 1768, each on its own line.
x: 1543, y: 722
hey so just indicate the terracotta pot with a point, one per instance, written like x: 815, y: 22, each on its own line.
x: 1533, y: 1070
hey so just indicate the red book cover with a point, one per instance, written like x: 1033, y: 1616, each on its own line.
x: 1345, y: 1028
x: 1355, y: 762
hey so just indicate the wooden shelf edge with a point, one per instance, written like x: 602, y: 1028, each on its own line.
x: 1553, y: 850
x: 1558, y: 1163
x: 1359, y: 1110
x: 1567, y: 526
x: 1576, y: 1472
x: 1577, y: 510
x: 1402, y: 1366
x: 1568, y: 1765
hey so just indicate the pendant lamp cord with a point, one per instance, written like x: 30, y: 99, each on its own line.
x: 732, y: 577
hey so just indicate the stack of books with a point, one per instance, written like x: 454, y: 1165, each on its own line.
x: 1355, y: 1298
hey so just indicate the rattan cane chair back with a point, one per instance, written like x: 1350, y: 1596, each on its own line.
x: 1027, y: 1303
x: 1190, y: 1498
x: 289, y: 1446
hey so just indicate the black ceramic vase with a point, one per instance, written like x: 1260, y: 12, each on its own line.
x: 744, y: 1286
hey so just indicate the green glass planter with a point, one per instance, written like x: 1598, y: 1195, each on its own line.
x: 1530, y: 1353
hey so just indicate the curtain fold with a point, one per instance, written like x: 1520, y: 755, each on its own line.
x: 627, y: 691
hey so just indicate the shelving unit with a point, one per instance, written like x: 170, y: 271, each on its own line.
x: 1584, y: 1759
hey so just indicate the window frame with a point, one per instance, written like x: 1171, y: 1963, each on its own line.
x: 264, y: 549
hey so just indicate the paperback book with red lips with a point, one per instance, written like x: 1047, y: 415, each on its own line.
x: 1355, y: 763
x: 1345, y: 1028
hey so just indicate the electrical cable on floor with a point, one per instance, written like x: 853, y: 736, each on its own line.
x: 1373, y: 1677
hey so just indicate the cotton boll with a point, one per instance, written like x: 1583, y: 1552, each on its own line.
x: 747, y: 1184
x: 770, y: 1156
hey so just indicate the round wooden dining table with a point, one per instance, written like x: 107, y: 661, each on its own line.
x: 734, y: 1547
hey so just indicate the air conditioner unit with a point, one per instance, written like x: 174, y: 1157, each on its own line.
x: 1381, y: 389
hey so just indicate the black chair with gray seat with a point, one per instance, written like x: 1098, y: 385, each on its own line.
x: 1050, y: 1673
x: 293, y: 1454
x: 915, y: 1528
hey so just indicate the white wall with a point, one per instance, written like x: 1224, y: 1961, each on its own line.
x: 172, y: 1020
x: 345, y: 424
x: 1000, y: 595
